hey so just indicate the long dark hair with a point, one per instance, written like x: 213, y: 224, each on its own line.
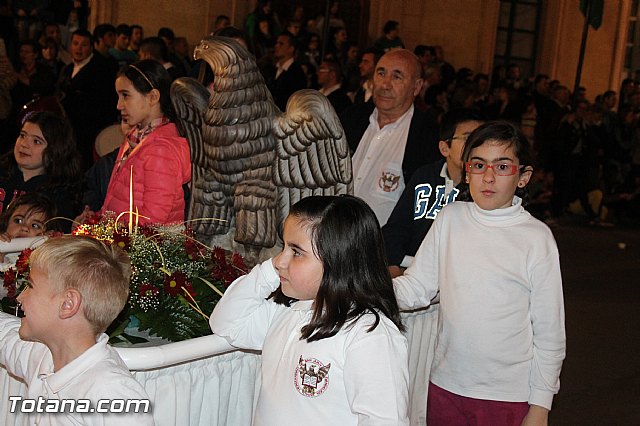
x: 147, y: 75
x: 61, y: 159
x: 504, y: 133
x: 346, y: 237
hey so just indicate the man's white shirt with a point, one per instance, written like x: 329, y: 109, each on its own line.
x: 377, y: 164
x: 329, y: 90
x: 280, y: 68
x: 77, y: 66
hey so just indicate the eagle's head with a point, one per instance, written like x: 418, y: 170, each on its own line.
x: 223, y: 54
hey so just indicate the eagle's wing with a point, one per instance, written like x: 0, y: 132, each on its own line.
x: 323, y: 371
x: 190, y: 101
x: 312, y: 154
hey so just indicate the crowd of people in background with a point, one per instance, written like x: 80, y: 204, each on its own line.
x: 587, y: 153
x: 420, y: 131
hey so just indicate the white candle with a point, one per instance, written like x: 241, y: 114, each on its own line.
x: 131, y: 200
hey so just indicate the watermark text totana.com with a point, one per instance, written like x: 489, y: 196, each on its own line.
x: 42, y: 405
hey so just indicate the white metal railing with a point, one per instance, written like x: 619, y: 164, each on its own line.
x: 154, y: 357
x: 189, y: 383
x: 206, y: 381
x: 13, y: 248
x: 16, y: 245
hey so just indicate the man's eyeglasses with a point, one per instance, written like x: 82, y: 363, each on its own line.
x: 500, y: 169
x: 463, y: 137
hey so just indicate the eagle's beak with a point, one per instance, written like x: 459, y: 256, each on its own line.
x: 197, y: 52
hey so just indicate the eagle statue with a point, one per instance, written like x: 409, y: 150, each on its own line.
x: 250, y: 161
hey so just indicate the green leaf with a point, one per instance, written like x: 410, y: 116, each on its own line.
x: 176, y: 322
x: 134, y: 339
x: 154, y: 252
x: 119, y: 329
x: 8, y: 306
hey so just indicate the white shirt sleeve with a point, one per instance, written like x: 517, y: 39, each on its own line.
x: 419, y: 283
x: 120, y: 388
x: 244, y: 314
x: 549, y: 338
x: 376, y: 377
x: 15, y: 353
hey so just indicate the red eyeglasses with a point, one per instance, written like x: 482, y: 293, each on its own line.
x: 500, y: 169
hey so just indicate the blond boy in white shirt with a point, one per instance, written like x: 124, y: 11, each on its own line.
x: 77, y: 286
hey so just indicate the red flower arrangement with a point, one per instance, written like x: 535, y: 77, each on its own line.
x: 22, y: 264
x: 175, y: 282
x: 14, y: 279
x: 121, y: 240
x: 223, y: 268
x: 10, y: 284
x: 149, y: 291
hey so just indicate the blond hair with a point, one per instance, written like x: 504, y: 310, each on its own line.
x: 100, y: 273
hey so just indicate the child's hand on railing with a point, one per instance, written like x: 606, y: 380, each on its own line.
x: 86, y: 214
x: 16, y: 245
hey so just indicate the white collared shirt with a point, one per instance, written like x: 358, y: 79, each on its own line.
x: 280, y: 68
x: 368, y: 90
x: 377, y: 164
x: 449, y: 184
x: 354, y: 375
x: 98, y: 373
x: 329, y: 90
x: 77, y: 66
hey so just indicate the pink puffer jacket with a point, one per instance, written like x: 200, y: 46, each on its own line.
x: 161, y: 165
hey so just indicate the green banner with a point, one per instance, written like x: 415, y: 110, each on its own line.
x: 597, y: 6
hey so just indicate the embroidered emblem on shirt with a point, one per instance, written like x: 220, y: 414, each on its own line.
x: 311, y: 377
x: 389, y: 181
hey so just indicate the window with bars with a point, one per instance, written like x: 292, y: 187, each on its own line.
x: 632, y: 51
x: 517, y: 37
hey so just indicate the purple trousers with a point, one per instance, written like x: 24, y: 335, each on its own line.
x: 448, y: 409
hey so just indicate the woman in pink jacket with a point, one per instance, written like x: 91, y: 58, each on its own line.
x: 154, y: 158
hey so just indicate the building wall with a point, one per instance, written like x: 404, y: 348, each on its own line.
x: 465, y: 28
x: 192, y: 19
x: 559, y: 51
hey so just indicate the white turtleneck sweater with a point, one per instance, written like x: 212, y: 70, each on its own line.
x: 501, y: 332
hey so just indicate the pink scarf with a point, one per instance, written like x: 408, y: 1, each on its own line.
x: 137, y: 135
